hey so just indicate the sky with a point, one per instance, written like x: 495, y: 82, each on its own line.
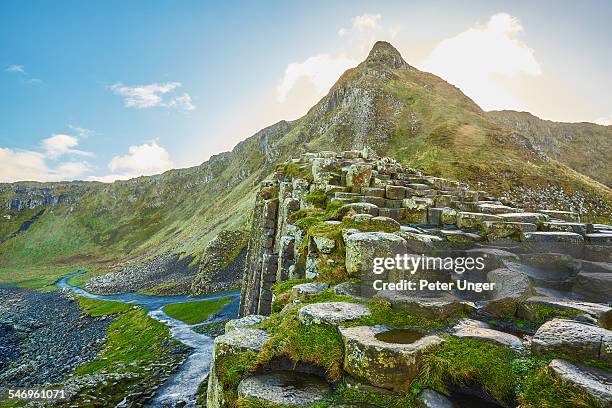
x: 107, y: 90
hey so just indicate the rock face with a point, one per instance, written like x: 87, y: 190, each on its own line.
x: 286, y: 388
x: 382, y: 363
x: 222, y: 264
x: 597, y: 383
x: 573, y: 338
x: 232, y: 344
x: 333, y: 313
x: 430, y: 399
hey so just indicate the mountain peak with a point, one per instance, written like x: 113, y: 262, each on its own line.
x: 384, y: 53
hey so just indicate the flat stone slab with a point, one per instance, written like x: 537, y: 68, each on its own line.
x: 243, y: 339
x: 286, y: 388
x: 597, y: 383
x: 308, y: 289
x: 432, y: 305
x: 244, y: 322
x: 600, y: 238
x: 553, y: 237
x: 477, y: 331
x: 333, y: 313
x: 531, y: 218
x: 602, y: 313
x: 384, y: 364
x: 573, y: 338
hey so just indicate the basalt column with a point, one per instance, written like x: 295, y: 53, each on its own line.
x: 262, y: 259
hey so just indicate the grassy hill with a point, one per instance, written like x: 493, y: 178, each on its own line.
x: 413, y: 116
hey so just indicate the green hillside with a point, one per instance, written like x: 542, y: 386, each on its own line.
x: 383, y: 103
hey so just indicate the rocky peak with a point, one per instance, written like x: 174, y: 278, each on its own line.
x: 384, y: 53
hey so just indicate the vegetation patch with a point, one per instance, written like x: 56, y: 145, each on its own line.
x: 196, y: 312
x: 538, y: 388
x: 466, y: 363
x: 317, y: 344
x: 97, y: 307
x: 348, y: 396
x: 135, y: 340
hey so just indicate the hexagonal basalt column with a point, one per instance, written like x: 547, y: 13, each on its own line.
x: 333, y: 313
x: 382, y: 357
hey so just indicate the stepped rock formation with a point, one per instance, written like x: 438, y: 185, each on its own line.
x: 324, y: 218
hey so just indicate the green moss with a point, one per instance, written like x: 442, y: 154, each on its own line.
x: 230, y: 371
x: 134, y: 341
x: 96, y: 307
x: 317, y: 198
x: 316, y: 344
x: 465, y: 362
x: 346, y: 395
x: 195, y: 312
x: 543, y: 313
x: 383, y: 314
x: 538, y: 388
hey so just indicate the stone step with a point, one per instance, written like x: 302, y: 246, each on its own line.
x: 530, y: 309
x: 600, y: 238
x: 473, y: 329
x: 594, y: 286
x: 532, y: 218
x: 595, y: 382
x: 332, y: 313
x: 561, y: 215
x: 576, y: 227
x: 575, y: 339
x: 285, y: 388
x: 473, y: 220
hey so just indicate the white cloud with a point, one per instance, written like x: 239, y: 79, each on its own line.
x: 59, y: 145
x: 20, y: 71
x: 15, y: 68
x: 82, y: 132
x: 323, y: 69
x: 142, y: 160
x: 19, y: 165
x: 152, y: 95
x: 320, y: 70
x: 604, y: 121
x: 478, y: 59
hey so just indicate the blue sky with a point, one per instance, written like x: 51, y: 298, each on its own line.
x: 114, y: 89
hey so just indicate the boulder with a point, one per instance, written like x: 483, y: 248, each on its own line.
x: 511, y: 287
x: 333, y: 313
x: 285, y: 388
x: 576, y: 339
x: 381, y: 363
x: 244, y: 322
x: 595, y: 382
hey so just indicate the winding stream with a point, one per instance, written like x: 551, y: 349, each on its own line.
x: 182, y: 386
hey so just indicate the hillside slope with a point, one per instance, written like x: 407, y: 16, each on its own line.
x: 384, y: 103
x: 585, y: 147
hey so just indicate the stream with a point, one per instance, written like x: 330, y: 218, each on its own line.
x: 182, y: 386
